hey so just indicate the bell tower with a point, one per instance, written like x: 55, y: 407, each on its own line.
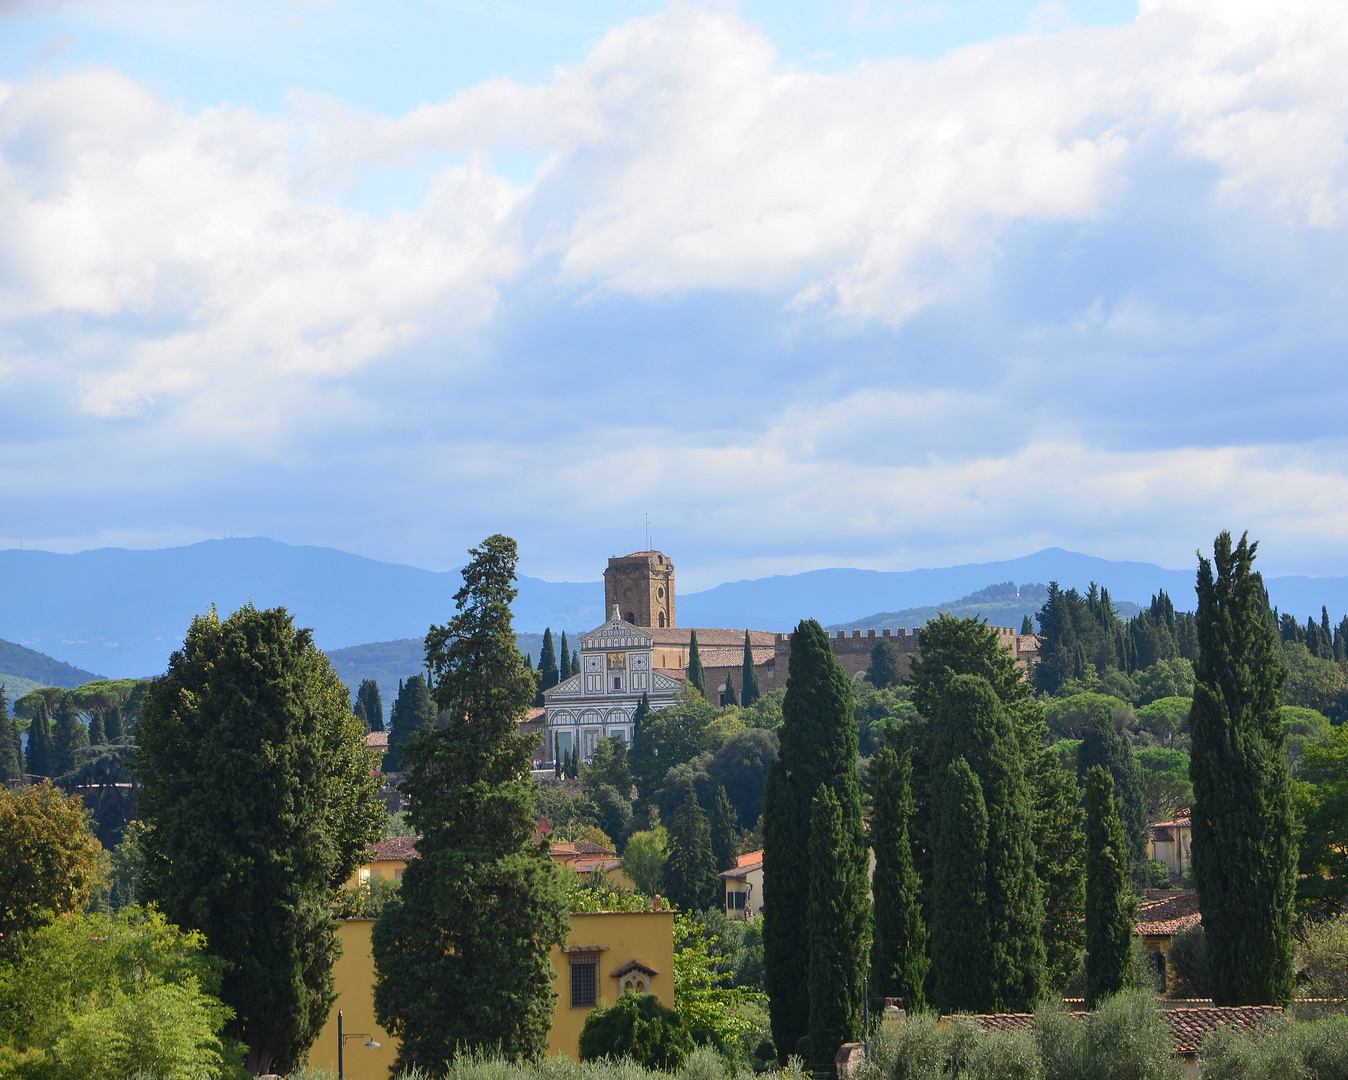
x: 642, y: 587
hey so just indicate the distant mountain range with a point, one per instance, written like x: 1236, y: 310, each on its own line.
x: 122, y: 612
x: 22, y: 670
x: 1006, y: 604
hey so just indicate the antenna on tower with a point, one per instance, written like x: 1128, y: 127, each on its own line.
x: 648, y: 531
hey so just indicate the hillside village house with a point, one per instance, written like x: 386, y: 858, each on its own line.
x: 742, y: 887
x: 1169, y: 841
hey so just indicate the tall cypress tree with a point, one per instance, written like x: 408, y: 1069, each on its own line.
x: 1111, y: 908
x: 413, y: 709
x: 461, y: 957
x: 368, y: 695
x: 818, y: 746
x: 11, y: 746
x: 1244, y: 853
x: 730, y: 696
x: 548, y: 675
x: 69, y: 736
x: 1060, y: 866
x: 972, y: 724
x: 1027, y: 625
x: 575, y: 662
x: 725, y: 833
x: 748, y: 676
x: 690, y: 873
x: 566, y: 669
x: 899, y: 950
x: 697, y: 675
x: 1103, y: 746
x: 358, y: 710
x: 41, y: 750
x: 97, y: 737
x: 961, y: 946
x: 839, y: 919
x: 257, y: 794
x: 884, y: 669
x: 112, y: 723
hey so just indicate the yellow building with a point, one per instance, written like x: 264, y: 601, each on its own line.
x: 607, y: 953
x: 389, y: 860
x: 1169, y: 842
x: 743, y: 887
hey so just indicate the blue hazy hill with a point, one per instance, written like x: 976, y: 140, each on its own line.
x: 122, y: 612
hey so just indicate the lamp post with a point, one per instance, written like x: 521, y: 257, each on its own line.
x: 342, y: 1036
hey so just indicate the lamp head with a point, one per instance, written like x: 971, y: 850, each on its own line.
x: 371, y: 1045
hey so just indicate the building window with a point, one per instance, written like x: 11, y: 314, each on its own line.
x: 617, y: 682
x: 734, y: 901
x: 662, y: 618
x: 660, y: 592
x: 584, y: 982
x: 634, y: 985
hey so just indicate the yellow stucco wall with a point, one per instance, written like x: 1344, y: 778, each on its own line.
x: 647, y: 936
x: 385, y: 868
x: 353, y: 977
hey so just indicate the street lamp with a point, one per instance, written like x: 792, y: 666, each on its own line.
x: 342, y: 1036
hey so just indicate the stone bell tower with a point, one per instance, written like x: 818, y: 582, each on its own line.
x: 642, y: 586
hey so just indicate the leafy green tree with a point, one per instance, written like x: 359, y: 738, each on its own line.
x: 48, y: 859
x: 11, y: 745
x: 972, y: 724
x: 1111, y: 909
x: 637, y: 1028
x: 690, y: 872
x: 69, y: 736
x: 644, y: 859
x: 566, y: 669
x: 748, y: 676
x: 548, y: 675
x: 899, y: 949
x: 368, y: 695
x: 413, y: 709
x: 961, y: 945
x: 731, y: 698
x: 1322, y: 807
x: 461, y: 958
x: 885, y: 669
x: 1244, y: 849
x: 839, y: 920
x: 741, y: 767
x: 725, y: 833
x: 1165, y: 781
x: 608, y: 767
x: 41, y: 748
x: 1103, y: 746
x: 259, y: 800
x: 697, y: 675
x: 1165, y: 718
x: 818, y: 747
x: 669, y: 737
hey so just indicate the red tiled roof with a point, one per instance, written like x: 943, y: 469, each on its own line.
x: 673, y: 672
x: 1188, y: 1027
x: 395, y: 847
x: 750, y: 857
x: 377, y: 740
x: 744, y: 868
x: 533, y: 714
x: 708, y: 636
x: 590, y: 863
x: 1168, y: 917
x: 1161, y: 834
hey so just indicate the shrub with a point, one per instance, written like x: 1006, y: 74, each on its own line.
x: 637, y: 1026
x: 1126, y: 1038
x: 1187, y: 959
x: 1278, y: 1050
x: 1322, y: 955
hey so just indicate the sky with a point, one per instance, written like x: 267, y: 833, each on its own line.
x: 884, y: 284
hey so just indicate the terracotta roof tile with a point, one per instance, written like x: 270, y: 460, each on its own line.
x: 377, y: 740
x: 1188, y: 1027
x: 395, y: 847
x: 1168, y: 917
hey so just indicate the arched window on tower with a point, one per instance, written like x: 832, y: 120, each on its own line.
x: 631, y: 617
x: 662, y: 618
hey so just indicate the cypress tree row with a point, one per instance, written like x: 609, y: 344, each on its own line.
x: 1111, y: 908
x: 973, y: 725
x: 690, y: 872
x: 899, y: 949
x: 961, y: 947
x: 461, y: 957
x: 697, y: 675
x: 725, y: 833
x: 548, y: 676
x: 748, y: 676
x: 818, y: 747
x: 413, y: 709
x: 1244, y: 853
x: 368, y: 695
x: 566, y: 669
x: 69, y: 736
x: 839, y: 918
x: 41, y: 751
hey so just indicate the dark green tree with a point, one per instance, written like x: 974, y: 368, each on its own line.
x: 639, y: 1028
x: 1111, y: 908
x: 839, y: 919
x: 731, y: 698
x: 697, y: 675
x: 69, y: 735
x: 1027, y: 625
x: 97, y: 736
x: 885, y: 669
x: 899, y: 949
x: 368, y: 695
x: 413, y: 709
x: 1060, y: 866
x: 1103, y: 746
x: 11, y: 745
x: 461, y: 957
x: 641, y: 756
x: 972, y: 724
x: 961, y: 946
x: 1244, y: 849
x: 750, y: 691
x: 725, y: 832
x: 358, y: 711
x: 41, y: 749
x: 112, y: 723
x: 258, y: 799
x: 608, y: 767
x: 690, y: 873
x: 818, y: 746
x: 566, y: 669
x: 548, y: 675
x: 575, y: 662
